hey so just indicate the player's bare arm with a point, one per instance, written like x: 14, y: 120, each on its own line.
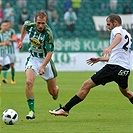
x: 13, y: 38
x: 92, y: 61
x: 23, y: 33
x: 46, y: 61
x: 4, y: 43
x: 115, y: 42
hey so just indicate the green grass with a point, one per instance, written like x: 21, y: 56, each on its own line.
x: 105, y: 109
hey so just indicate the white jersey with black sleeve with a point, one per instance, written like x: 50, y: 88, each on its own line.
x: 120, y: 54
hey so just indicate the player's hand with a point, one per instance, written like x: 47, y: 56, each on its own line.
x: 4, y: 43
x: 10, y: 39
x: 19, y: 46
x: 8, y: 44
x: 92, y: 61
x: 106, y: 52
x: 41, y: 70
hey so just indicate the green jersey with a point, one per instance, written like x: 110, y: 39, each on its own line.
x: 3, y: 49
x: 10, y: 48
x: 40, y: 42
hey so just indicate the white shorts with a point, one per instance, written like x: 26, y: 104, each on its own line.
x: 34, y: 63
x: 4, y: 61
x: 12, y: 58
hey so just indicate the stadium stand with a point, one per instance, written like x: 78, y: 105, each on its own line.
x: 84, y: 26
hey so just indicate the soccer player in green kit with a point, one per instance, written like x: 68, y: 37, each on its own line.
x: 39, y: 62
x: 11, y: 52
x: 4, y: 43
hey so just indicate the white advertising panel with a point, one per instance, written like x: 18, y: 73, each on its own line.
x: 67, y: 61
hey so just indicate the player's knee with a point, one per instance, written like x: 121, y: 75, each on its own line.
x: 88, y: 84
x: 129, y: 93
x: 29, y: 83
x: 53, y: 91
x: 12, y: 66
x: 0, y: 67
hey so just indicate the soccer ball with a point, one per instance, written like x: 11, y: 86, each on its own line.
x: 9, y: 116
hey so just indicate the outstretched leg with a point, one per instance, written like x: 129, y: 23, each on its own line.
x: 80, y: 96
x: 52, y: 88
x: 127, y: 93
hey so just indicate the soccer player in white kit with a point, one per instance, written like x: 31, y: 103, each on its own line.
x: 117, y: 69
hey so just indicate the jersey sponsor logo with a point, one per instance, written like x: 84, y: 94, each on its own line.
x: 35, y: 42
x: 36, y: 50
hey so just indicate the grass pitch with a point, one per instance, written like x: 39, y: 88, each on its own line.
x: 105, y: 109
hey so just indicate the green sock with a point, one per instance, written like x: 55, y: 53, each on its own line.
x: 31, y: 103
x: 4, y: 74
x: 13, y: 73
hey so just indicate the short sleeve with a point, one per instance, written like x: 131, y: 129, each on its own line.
x: 28, y: 24
x: 116, y: 31
x: 49, y: 42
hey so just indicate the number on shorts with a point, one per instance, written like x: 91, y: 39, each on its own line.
x: 123, y: 72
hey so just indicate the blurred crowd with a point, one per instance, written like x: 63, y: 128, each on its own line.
x: 70, y: 13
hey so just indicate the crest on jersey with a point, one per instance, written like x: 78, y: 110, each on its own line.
x: 35, y: 42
